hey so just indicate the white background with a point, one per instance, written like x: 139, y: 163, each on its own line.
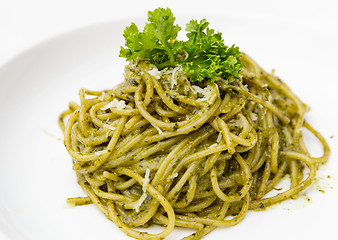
x: 25, y: 23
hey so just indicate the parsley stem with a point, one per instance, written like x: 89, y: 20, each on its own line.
x: 170, y: 54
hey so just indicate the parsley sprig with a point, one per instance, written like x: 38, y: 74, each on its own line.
x: 208, y: 58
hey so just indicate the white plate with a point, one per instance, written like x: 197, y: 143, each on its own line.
x: 36, y: 175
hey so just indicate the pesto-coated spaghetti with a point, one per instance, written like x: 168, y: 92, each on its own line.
x: 159, y: 149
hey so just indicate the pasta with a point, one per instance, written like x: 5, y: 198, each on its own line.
x: 159, y: 149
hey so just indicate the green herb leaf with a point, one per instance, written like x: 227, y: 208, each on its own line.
x: 208, y: 58
x: 153, y: 43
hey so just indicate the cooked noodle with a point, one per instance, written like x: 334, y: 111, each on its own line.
x: 158, y: 149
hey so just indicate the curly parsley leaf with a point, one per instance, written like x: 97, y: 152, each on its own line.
x: 153, y: 43
x: 208, y: 58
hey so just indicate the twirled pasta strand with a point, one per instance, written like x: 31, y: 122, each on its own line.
x: 185, y: 154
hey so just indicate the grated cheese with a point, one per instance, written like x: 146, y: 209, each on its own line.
x: 174, y: 75
x: 192, y: 89
x: 167, y: 71
x: 206, y: 92
x: 197, y: 89
x: 144, y: 189
x: 102, y: 96
x: 118, y: 104
x: 139, y: 202
x: 146, y: 180
x: 155, y: 72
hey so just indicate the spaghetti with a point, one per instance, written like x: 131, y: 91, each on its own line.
x: 158, y: 149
